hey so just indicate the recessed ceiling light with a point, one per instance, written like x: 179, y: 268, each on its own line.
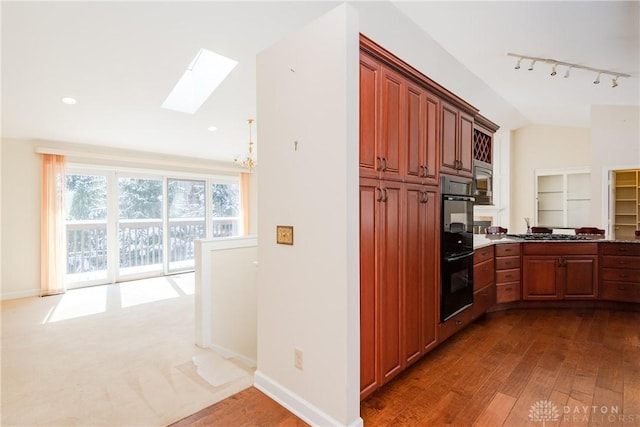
x: 68, y: 100
x: 202, y: 77
x: 212, y: 128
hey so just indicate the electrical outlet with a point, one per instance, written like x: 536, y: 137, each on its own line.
x: 297, y: 358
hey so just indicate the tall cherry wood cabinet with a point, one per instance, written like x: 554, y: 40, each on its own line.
x: 399, y: 221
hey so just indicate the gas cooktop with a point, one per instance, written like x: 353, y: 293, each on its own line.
x: 545, y: 236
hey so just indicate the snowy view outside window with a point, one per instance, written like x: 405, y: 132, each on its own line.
x: 147, y: 242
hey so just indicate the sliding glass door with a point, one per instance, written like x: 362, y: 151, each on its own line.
x: 140, y: 226
x: 125, y: 225
x: 86, y: 226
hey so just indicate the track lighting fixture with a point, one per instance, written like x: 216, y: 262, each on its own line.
x: 555, y: 63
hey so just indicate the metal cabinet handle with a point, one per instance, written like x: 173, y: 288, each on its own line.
x: 385, y: 198
x: 379, y: 191
x: 379, y: 166
x: 384, y: 168
x: 458, y: 322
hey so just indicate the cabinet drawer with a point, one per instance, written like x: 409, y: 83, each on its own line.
x: 611, y: 261
x: 621, y: 249
x: 483, y: 274
x: 507, y: 262
x: 621, y: 275
x: 453, y: 325
x: 504, y: 276
x: 508, y: 292
x: 620, y: 291
x: 483, y: 299
x: 483, y: 254
x: 508, y: 249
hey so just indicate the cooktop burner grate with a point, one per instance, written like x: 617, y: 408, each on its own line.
x: 545, y: 236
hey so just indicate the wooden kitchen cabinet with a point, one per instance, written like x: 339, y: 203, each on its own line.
x: 620, y: 274
x: 421, y: 282
x: 380, y: 282
x: 484, y: 287
x: 556, y: 271
x: 398, y: 278
x: 507, y: 272
x: 422, y: 112
x: 382, y: 120
x: 456, y: 141
x: 398, y: 126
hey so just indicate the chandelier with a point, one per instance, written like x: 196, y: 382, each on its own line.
x: 248, y: 159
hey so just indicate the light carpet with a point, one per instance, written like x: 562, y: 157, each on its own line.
x: 117, y: 355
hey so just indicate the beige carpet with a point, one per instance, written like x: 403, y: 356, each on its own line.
x: 118, y: 355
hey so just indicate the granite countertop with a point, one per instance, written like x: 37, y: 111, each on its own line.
x: 482, y: 240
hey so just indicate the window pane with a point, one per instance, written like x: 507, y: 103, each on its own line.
x: 226, y: 209
x: 86, y: 227
x: 186, y: 220
x: 140, y: 230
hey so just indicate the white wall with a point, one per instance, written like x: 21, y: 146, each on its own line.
x: 615, y: 144
x: 541, y: 147
x: 20, y: 219
x: 308, y: 293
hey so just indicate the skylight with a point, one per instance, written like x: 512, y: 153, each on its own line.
x: 202, y: 77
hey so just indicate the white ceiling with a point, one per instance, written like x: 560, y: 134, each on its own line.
x: 121, y: 59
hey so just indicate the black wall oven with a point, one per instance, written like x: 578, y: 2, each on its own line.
x: 456, y: 291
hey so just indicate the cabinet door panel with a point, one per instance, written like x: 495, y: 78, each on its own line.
x: 465, y: 145
x: 541, y: 278
x: 368, y: 292
x: 369, y: 104
x: 449, y: 131
x: 392, y: 124
x: 416, y: 136
x: 390, y: 280
x: 580, y: 277
x: 430, y: 265
x: 413, y: 273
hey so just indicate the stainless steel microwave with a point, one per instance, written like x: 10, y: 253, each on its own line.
x: 483, y: 183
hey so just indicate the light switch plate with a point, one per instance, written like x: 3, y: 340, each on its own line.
x: 284, y: 234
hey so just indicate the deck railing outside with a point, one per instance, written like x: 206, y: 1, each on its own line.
x: 140, y: 242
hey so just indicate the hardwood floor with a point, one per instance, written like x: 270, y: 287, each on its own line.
x: 502, y: 370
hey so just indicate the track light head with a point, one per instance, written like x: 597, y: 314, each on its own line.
x: 553, y: 70
x: 566, y: 74
x: 517, y: 67
x: 614, y: 81
x: 531, y: 66
x: 597, y: 80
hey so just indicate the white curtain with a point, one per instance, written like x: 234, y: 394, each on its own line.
x: 52, y: 230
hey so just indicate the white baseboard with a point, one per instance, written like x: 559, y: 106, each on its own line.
x: 297, y: 405
x: 226, y: 353
x: 19, y: 294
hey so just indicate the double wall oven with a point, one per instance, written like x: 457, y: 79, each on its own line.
x: 456, y: 291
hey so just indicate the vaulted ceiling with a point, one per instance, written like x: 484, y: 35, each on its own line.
x: 121, y: 59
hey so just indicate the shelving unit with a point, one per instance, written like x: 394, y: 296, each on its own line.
x: 626, y: 209
x: 563, y: 198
